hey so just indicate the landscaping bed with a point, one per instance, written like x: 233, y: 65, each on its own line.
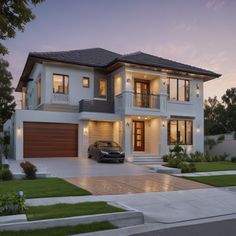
x: 40, y: 188
x: 69, y: 210
x: 64, y: 230
x: 217, y: 181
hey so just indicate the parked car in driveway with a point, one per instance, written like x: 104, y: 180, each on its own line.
x: 106, y: 151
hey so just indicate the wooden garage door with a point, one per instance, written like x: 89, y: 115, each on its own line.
x: 50, y: 140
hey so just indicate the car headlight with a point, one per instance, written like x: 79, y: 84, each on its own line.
x: 122, y: 153
x: 103, y: 152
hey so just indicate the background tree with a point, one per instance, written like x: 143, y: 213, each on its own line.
x: 7, y: 101
x: 14, y: 15
x: 220, y: 117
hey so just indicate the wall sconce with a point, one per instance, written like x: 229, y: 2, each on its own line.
x: 18, y: 131
x: 128, y: 81
x: 163, y: 124
x: 198, y: 91
x: 198, y: 129
x: 127, y: 124
x: 86, y: 131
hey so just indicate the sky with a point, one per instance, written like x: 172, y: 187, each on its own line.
x: 201, y: 33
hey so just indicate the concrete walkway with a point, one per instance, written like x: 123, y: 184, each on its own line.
x: 106, y: 185
x: 166, y: 207
x: 211, y: 173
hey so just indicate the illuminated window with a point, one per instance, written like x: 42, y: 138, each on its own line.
x: 103, y: 88
x: 39, y: 91
x: 178, y: 89
x: 86, y: 82
x: 180, y: 132
x: 60, y: 84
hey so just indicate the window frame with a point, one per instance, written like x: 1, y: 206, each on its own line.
x: 177, y: 132
x: 63, y: 84
x: 39, y: 88
x: 186, y: 91
x: 88, y: 79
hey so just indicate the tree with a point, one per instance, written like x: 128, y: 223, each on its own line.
x: 7, y: 101
x: 14, y: 15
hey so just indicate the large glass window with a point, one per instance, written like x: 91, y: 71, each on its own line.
x: 178, y: 89
x: 180, y: 131
x: 103, y: 88
x: 60, y: 84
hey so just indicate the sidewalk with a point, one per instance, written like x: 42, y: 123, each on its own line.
x: 211, y: 173
x: 166, y: 207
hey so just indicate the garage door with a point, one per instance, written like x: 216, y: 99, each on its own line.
x: 50, y: 140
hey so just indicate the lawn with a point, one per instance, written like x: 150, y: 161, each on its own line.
x: 217, y: 181
x: 39, y: 188
x: 62, y: 231
x: 215, y: 166
x: 69, y: 210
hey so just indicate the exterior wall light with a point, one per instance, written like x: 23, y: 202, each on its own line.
x: 198, y: 91
x: 18, y: 131
x: 163, y: 124
x: 198, y: 129
x: 127, y: 124
x: 86, y: 131
x: 128, y: 81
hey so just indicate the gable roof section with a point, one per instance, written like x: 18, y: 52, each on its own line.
x: 102, y: 58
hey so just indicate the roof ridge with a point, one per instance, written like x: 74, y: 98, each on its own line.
x: 132, y: 53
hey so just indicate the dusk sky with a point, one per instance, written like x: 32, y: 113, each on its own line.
x: 196, y: 32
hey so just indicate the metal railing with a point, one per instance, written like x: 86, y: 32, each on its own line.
x: 96, y: 106
x: 146, y: 100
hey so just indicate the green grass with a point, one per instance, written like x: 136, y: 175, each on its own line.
x: 217, y: 181
x: 215, y: 166
x: 39, y: 188
x: 62, y: 231
x: 69, y: 210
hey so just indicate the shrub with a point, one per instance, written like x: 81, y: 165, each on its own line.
x: 196, y: 157
x: 187, y: 167
x: 210, y: 142
x: 221, y: 138
x: 29, y: 169
x: 233, y: 159
x: 165, y: 158
x: 223, y: 157
x: 12, y: 203
x: 5, y: 174
x: 174, y: 162
x: 177, y: 150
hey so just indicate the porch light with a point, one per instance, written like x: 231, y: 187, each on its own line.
x: 18, y: 131
x: 128, y: 81
x: 198, y: 91
x: 127, y: 124
x: 85, y: 130
x: 163, y: 124
x: 198, y: 129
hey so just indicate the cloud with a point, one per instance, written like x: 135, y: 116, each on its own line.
x: 215, y: 4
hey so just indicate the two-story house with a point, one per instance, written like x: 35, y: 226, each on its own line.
x: 70, y: 99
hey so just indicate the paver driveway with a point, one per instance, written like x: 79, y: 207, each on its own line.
x: 109, y: 178
x: 107, y: 185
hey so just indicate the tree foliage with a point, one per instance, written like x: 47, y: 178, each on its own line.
x: 7, y: 101
x: 14, y: 15
x: 220, y: 117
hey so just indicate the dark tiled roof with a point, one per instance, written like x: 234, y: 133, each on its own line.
x: 97, y: 57
x: 141, y: 58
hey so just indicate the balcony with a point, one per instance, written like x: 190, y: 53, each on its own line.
x: 132, y: 103
x: 146, y: 100
x: 96, y: 106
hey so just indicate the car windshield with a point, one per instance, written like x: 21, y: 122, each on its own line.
x: 108, y: 144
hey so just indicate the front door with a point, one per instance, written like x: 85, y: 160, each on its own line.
x: 139, y: 135
x: 142, y: 91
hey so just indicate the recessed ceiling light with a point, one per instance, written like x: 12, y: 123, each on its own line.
x: 139, y: 117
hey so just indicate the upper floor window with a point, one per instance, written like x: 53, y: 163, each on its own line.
x: 39, y: 91
x: 178, y: 89
x: 102, y: 88
x: 180, y: 131
x: 86, y: 82
x: 60, y: 84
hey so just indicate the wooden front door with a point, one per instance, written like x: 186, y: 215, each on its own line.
x: 139, y: 136
x: 142, y: 91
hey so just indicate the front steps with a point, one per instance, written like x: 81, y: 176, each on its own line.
x: 145, y: 159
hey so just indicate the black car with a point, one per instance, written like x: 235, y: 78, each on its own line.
x: 106, y: 151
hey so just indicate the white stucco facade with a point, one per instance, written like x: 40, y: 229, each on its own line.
x: 124, y: 111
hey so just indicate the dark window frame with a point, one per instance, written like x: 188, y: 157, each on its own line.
x: 88, y: 79
x: 63, y: 84
x: 177, y: 132
x: 186, y: 91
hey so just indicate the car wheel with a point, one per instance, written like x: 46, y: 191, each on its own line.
x: 89, y: 156
x: 121, y: 161
x: 99, y: 159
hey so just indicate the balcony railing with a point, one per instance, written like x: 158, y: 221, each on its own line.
x: 146, y: 100
x: 96, y: 106
x: 60, y: 98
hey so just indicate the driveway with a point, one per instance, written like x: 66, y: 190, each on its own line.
x: 109, y: 178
